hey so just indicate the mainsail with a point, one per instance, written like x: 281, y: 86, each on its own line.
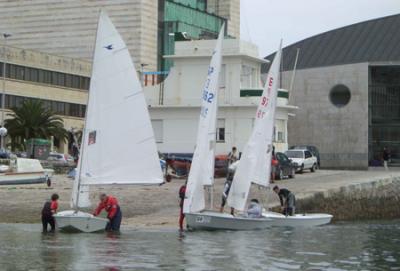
x: 202, y: 169
x: 255, y: 163
x: 118, y: 145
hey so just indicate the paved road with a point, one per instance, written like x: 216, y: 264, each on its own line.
x: 308, y: 183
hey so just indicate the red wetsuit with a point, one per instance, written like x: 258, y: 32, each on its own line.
x: 110, y: 204
x: 54, y: 206
x: 182, y: 192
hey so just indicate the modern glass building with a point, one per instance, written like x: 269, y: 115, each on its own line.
x: 384, y: 111
x: 183, y: 16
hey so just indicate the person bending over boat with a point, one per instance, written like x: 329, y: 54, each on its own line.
x: 288, y: 200
x: 225, y: 193
x: 110, y: 204
x: 254, y: 210
x: 49, y: 209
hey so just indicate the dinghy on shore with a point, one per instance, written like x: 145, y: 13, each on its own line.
x: 297, y: 220
x: 25, y: 171
x: 118, y: 145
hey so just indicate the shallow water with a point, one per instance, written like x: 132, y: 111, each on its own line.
x: 344, y: 246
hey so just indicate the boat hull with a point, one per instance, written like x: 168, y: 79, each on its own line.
x: 24, y: 178
x: 72, y: 221
x: 221, y: 221
x: 298, y: 220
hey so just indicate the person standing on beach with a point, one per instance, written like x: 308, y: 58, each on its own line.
x: 232, y: 156
x: 110, y: 204
x: 386, y: 157
x: 182, y: 192
x: 49, y: 209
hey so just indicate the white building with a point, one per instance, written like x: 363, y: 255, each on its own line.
x: 175, y: 104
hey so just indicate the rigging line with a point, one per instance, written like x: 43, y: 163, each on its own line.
x: 246, y: 23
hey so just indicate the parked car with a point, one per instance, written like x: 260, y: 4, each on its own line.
x: 303, y: 158
x: 285, y: 167
x: 60, y: 159
x: 314, y: 150
x: 221, y: 166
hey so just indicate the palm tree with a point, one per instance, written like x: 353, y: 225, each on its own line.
x: 33, y: 120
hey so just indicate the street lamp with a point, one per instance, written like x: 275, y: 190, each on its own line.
x: 3, y: 130
x: 142, y: 73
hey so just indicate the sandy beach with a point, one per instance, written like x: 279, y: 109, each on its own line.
x: 157, y: 206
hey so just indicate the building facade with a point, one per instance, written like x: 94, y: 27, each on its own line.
x: 347, y: 87
x: 175, y: 104
x: 67, y: 28
x: 61, y: 83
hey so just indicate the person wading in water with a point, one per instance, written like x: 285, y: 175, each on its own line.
x: 49, y: 209
x: 182, y: 192
x: 110, y: 204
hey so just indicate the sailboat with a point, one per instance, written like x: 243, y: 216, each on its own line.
x: 253, y: 167
x: 118, y: 145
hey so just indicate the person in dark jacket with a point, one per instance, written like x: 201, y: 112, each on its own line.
x: 287, y: 199
x: 182, y: 192
x: 49, y: 209
x: 110, y: 204
x: 386, y: 158
x: 225, y: 192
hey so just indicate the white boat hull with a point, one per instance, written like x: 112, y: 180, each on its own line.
x: 72, y: 221
x: 298, y: 220
x: 25, y: 178
x: 221, y: 221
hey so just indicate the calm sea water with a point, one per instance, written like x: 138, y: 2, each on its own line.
x: 343, y: 246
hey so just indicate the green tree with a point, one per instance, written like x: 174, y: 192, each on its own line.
x: 33, y: 120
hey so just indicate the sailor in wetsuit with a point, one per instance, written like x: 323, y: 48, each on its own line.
x: 49, y: 209
x: 288, y: 200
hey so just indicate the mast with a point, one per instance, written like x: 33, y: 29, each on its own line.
x: 82, y: 148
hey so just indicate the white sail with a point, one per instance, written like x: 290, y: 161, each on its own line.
x: 83, y: 190
x: 118, y: 145
x: 202, y: 168
x: 255, y: 163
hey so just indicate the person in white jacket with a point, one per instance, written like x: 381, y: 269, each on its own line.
x: 254, y: 210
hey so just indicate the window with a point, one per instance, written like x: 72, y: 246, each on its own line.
x: 158, y: 128
x: 248, y: 77
x: 280, y: 136
x: 220, y: 136
x: 307, y: 154
x: 20, y: 72
x: 340, y: 95
x: 45, y: 77
x: 75, y: 81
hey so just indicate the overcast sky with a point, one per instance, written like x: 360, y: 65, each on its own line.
x: 265, y: 22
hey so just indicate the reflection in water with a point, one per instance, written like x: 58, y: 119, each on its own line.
x: 345, y: 246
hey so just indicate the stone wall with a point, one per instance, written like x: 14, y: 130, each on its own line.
x: 378, y: 199
x: 340, y: 133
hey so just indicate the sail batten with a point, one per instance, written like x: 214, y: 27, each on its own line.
x: 118, y: 143
x: 202, y: 168
x: 255, y: 162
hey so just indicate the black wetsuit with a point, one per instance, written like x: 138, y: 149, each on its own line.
x: 47, y: 217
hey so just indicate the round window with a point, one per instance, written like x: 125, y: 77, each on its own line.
x: 340, y: 95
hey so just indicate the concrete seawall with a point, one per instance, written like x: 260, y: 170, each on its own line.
x: 377, y: 199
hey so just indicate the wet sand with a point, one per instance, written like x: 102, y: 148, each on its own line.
x: 142, y: 206
x: 158, y: 206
